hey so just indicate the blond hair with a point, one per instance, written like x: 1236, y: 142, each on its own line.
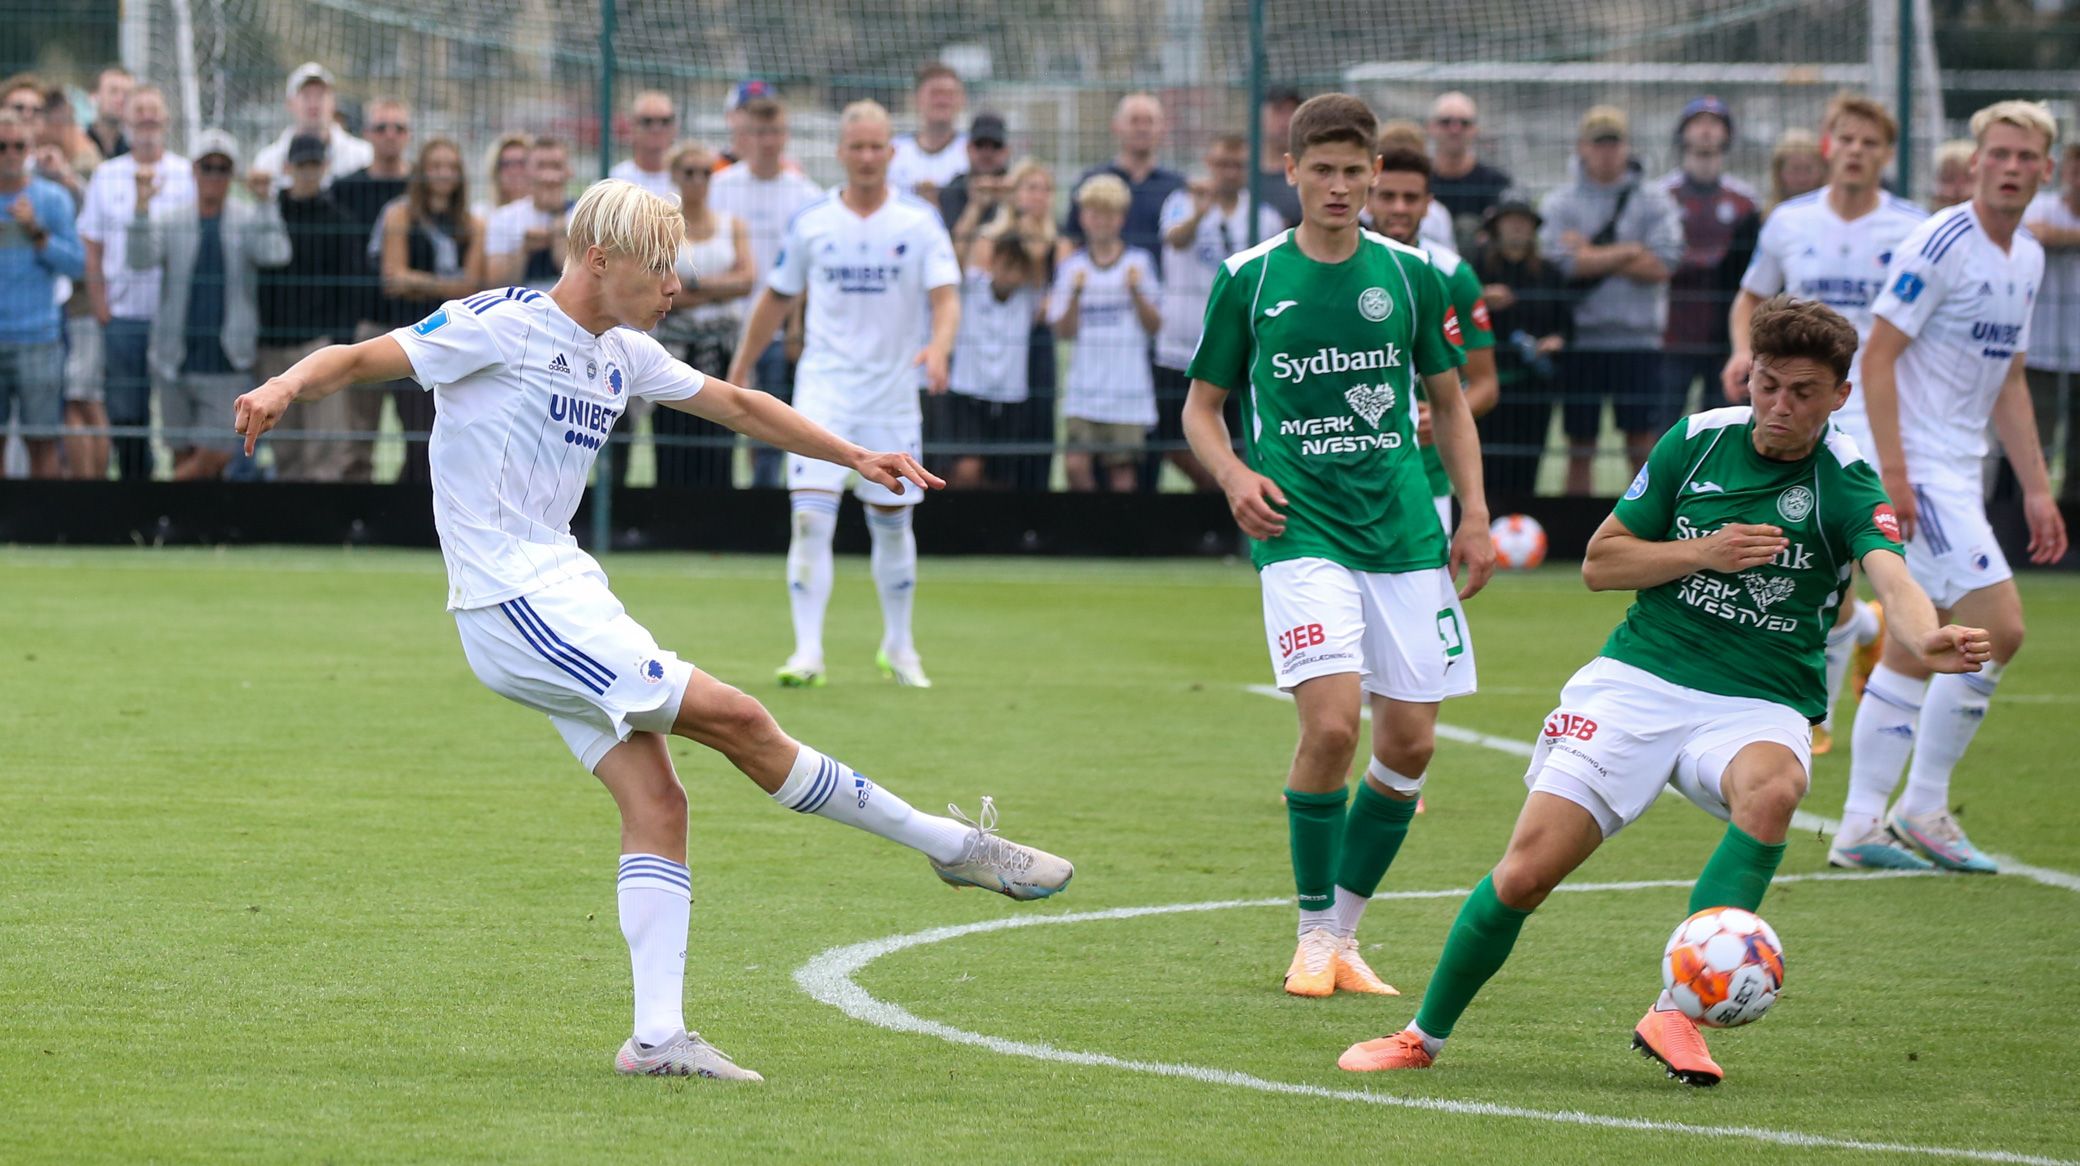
x: 863, y: 111
x: 2031, y: 116
x: 1104, y: 192
x: 1955, y: 152
x: 621, y: 218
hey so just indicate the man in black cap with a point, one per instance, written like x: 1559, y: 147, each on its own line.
x: 989, y: 160
x: 1527, y: 300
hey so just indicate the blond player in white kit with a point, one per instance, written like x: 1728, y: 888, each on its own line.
x: 882, y: 281
x: 528, y: 385
x: 1832, y: 246
x: 1945, y: 358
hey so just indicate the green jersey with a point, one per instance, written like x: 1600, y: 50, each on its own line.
x: 1464, y: 288
x: 1327, y: 359
x: 1762, y: 632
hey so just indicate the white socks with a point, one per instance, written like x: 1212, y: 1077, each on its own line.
x: 656, y: 900
x: 1309, y: 920
x: 1842, y: 642
x: 1349, y: 911
x: 809, y: 568
x: 895, y: 577
x: 1886, y: 723
x: 1951, y: 713
x: 831, y: 789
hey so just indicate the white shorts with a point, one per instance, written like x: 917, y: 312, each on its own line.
x: 1953, y: 552
x: 570, y: 650
x: 1622, y: 734
x: 1403, y: 633
x: 804, y: 473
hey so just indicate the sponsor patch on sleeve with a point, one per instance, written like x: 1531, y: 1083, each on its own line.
x: 1451, y: 326
x: 1886, y: 521
x: 1639, y: 484
x: 1480, y: 316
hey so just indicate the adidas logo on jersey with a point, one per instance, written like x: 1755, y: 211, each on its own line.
x: 560, y: 365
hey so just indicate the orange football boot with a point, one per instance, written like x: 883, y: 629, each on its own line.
x: 1403, y: 1050
x: 1672, y: 1038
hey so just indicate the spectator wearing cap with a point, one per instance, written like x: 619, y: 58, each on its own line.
x: 1137, y: 134
x: 208, y: 254
x: 1617, y: 239
x: 927, y: 161
x: 1275, y: 122
x: 1529, y: 310
x: 317, y: 299
x: 112, y: 88
x: 1203, y: 224
x: 985, y: 183
x: 763, y: 191
x: 1463, y: 184
x: 1720, y: 224
x: 313, y: 106
x: 126, y: 297
x: 39, y: 248
x: 737, y: 123
x: 654, y: 122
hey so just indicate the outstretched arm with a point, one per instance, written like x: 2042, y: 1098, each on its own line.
x: 315, y: 377
x: 1911, y: 619
x: 765, y: 418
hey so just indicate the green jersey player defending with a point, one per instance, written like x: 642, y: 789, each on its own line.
x: 1325, y: 328
x: 1738, y: 534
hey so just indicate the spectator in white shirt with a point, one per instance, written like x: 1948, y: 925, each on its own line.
x: 1104, y: 302
x: 715, y: 274
x: 312, y: 106
x: 2053, y: 363
x: 655, y: 121
x: 523, y: 242
x: 1003, y: 294
x: 938, y: 152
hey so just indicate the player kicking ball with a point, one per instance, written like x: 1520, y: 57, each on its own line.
x: 1326, y: 329
x: 1738, y: 534
x: 529, y: 385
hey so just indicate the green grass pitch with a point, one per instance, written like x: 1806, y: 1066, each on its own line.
x: 281, y: 882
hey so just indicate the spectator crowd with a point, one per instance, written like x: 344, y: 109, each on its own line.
x: 146, y: 288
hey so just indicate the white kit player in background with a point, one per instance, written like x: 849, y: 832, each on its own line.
x: 877, y: 265
x: 529, y: 384
x: 1833, y: 245
x: 1945, y: 356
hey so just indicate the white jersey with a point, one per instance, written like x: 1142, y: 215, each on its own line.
x: 912, y: 165
x: 104, y: 217
x: 1188, y: 271
x: 1808, y: 250
x: 524, y: 398
x: 2057, y: 324
x: 1108, y: 377
x: 765, y: 205
x: 989, y: 356
x: 869, y: 280
x: 1437, y: 225
x: 505, y: 235
x: 657, y: 182
x: 1966, y: 304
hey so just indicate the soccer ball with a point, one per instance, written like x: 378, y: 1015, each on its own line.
x: 1520, y: 542
x: 1724, y: 966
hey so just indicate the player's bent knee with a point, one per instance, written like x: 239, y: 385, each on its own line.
x: 1521, y: 883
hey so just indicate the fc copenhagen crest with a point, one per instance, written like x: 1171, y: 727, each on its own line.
x: 1374, y: 305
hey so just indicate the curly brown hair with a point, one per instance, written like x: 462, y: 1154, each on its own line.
x: 1788, y: 328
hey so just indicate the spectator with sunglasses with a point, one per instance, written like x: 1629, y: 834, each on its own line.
x: 655, y: 122
x: 1460, y: 182
x: 38, y: 248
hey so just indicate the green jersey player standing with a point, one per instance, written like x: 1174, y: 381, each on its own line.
x: 1325, y: 330
x: 1738, y: 534
x: 1400, y: 198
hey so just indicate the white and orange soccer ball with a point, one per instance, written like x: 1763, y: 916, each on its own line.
x: 1520, y: 542
x: 1724, y: 967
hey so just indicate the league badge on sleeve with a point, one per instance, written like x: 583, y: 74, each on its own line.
x: 1908, y: 287
x: 430, y: 324
x: 1639, y: 485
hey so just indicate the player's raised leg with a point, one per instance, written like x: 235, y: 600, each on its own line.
x: 1316, y: 796
x: 1553, y: 836
x: 809, y: 571
x: 806, y: 781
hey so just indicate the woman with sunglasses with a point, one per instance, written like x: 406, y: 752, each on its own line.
x: 715, y: 273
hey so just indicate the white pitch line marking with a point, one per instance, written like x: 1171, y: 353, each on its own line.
x: 828, y: 979
x: 1800, y: 819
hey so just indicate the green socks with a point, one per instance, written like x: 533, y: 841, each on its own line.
x: 1315, y: 822
x: 1372, y: 835
x: 1480, y: 941
x: 1738, y: 873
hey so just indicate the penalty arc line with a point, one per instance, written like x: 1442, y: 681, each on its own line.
x: 828, y: 979
x: 1800, y: 819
